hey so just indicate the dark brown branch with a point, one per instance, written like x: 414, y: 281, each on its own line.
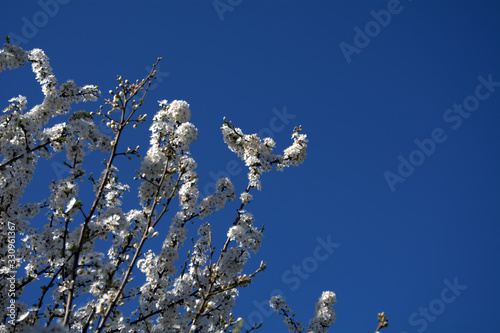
x: 28, y: 151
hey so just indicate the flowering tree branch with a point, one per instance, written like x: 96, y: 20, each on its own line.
x: 90, y: 249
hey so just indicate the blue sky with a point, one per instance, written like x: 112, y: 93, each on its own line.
x: 402, y: 182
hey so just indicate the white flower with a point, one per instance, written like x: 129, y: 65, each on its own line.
x: 246, y: 197
x: 185, y: 134
x: 70, y: 205
x: 324, y: 314
x: 235, y: 232
x: 19, y: 102
x: 178, y: 111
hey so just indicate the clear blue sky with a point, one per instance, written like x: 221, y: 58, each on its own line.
x: 421, y: 87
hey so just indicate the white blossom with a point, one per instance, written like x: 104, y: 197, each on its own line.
x: 90, y: 248
x: 246, y: 197
x: 324, y: 315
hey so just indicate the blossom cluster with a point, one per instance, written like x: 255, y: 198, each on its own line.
x: 257, y: 153
x: 324, y: 314
x: 89, y: 249
x: 24, y: 138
